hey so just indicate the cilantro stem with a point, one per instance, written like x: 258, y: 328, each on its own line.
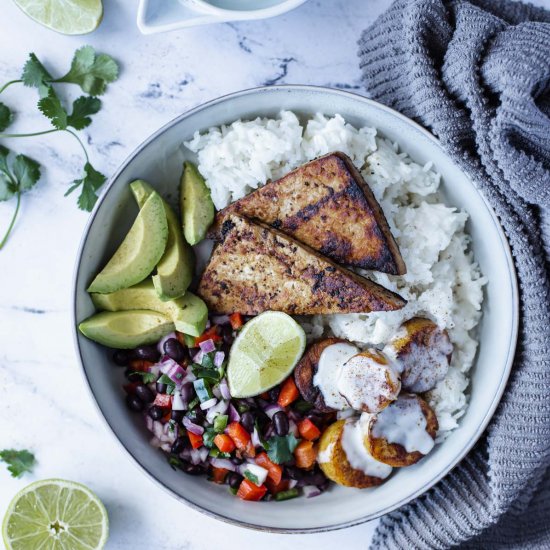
x: 12, y: 223
x: 81, y: 144
x: 7, y: 84
x: 30, y: 135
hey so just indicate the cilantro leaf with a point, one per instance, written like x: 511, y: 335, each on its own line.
x: 90, y: 71
x: 7, y: 189
x: 18, y: 462
x: 90, y: 183
x: 4, y: 152
x: 35, y: 75
x: 147, y: 377
x: 26, y: 171
x: 83, y: 107
x: 280, y: 448
x: 51, y: 107
x: 6, y: 117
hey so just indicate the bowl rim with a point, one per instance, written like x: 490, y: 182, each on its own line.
x: 504, y: 374
x: 277, y: 9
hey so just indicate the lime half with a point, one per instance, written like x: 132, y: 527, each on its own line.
x: 65, y: 16
x: 55, y: 515
x: 264, y: 353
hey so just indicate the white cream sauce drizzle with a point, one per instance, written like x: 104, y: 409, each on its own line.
x: 328, y: 370
x: 403, y: 422
x: 353, y: 444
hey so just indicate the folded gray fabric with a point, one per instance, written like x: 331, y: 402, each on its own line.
x: 477, y: 74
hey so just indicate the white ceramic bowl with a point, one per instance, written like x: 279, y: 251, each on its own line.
x: 159, y: 161
x: 168, y: 15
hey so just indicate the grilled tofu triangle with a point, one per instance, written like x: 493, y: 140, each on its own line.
x: 327, y: 205
x: 256, y: 268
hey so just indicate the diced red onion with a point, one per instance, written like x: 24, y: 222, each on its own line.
x: 207, y: 346
x: 149, y: 423
x: 191, y: 427
x: 311, y: 491
x: 203, y: 453
x: 189, y: 377
x: 186, y: 453
x: 220, y: 319
x: 293, y: 415
x: 234, y: 415
x: 166, y: 447
x: 208, y: 324
x: 155, y: 442
x: 220, y: 408
x: 178, y: 404
x: 207, y: 404
x: 224, y: 389
x: 292, y: 483
x: 168, y: 364
x: 160, y: 345
x: 155, y: 369
x: 198, y: 357
x: 217, y: 392
x: 224, y: 463
x: 256, y: 438
x: 158, y: 429
x: 195, y: 457
x: 271, y: 408
x: 175, y: 372
x: 293, y: 428
x: 219, y: 356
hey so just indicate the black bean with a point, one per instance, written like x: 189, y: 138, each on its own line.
x: 174, y: 350
x: 280, y: 423
x: 177, y: 415
x: 191, y: 469
x: 294, y: 473
x: 155, y: 412
x: 147, y: 353
x: 161, y: 388
x: 135, y: 403
x: 247, y: 420
x: 237, y: 461
x: 132, y: 376
x: 196, y: 416
x: 145, y: 394
x: 121, y: 357
x: 234, y: 480
x: 274, y: 393
x: 316, y: 419
x: 179, y: 445
x: 314, y: 478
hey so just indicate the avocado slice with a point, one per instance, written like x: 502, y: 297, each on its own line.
x: 197, y: 208
x: 139, y: 252
x: 126, y: 329
x: 175, y: 268
x: 188, y: 313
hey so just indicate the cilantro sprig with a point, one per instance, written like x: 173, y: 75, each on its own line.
x: 90, y: 71
x: 280, y: 448
x: 18, y: 462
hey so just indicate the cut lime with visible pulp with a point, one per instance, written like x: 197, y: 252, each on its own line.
x: 65, y: 16
x: 264, y: 353
x: 53, y: 515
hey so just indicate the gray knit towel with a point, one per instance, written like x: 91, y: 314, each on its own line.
x: 477, y: 74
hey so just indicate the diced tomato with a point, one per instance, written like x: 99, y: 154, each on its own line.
x: 163, y: 400
x: 196, y: 440
x: 305, y: 455
x: 250, y: 491
x: 274, y: 471
x: 236, y: 320
x: 250, y: 450
x: 130, y: 388
x: 289, y: 393
x: 239, y: 435
x: 308, y: 430
x: 275, y: 488
x: 210, y: 334
x: 140, y: 365
x: 224, y: 443
x: 219, y: 474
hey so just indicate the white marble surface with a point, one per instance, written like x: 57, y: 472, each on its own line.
x: 43, y: 403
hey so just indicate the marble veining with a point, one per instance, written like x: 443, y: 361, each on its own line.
x: 45, y: 405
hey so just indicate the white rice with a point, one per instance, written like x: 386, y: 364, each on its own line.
x: 442, y: 282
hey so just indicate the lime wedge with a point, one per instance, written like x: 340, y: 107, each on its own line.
x: 65, y: 16
x: 264, y: 353
x: 54, y: 514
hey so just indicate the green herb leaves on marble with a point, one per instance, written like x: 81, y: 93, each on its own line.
x: 90, y: 71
